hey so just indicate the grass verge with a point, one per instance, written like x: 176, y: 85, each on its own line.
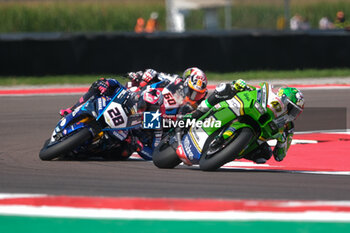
x: 87, y: 16
x: 247, y: 75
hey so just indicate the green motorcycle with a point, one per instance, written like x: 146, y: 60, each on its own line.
x: 228, y: 131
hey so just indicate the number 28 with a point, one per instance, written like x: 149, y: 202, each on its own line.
x: 116, y: 117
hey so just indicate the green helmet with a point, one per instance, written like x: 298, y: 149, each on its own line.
x: 293, y: 99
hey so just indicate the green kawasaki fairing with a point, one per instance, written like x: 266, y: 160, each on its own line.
x: 246, y: 110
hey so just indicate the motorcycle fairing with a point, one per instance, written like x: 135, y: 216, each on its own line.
x: 236, y: 105
x: 101, y: 104
x: 171, y: 111
x: 69, y: 123
x: 121, y: 91
x: 115, y: 115
x: 159, y: 84
x: 190, y: 149
x: 228, y: 112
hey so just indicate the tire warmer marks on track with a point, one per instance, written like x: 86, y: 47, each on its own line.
x: 128, y: 214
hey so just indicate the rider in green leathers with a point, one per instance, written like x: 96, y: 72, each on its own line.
x: 287, y: 105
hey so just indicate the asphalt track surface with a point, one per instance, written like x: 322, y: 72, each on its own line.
x: 27, y: 121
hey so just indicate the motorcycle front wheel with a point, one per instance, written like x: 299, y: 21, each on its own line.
x: 228, y: 153
x: 68, y: 144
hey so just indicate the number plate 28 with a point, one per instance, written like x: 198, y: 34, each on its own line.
x: 115, y: 116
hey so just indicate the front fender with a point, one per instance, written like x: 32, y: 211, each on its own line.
x: 231, y: 132
x: 236, y: 125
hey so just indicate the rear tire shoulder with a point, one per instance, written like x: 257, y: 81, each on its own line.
x: 164, y: 155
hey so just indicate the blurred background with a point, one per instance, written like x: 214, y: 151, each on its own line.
x: 122, y: 15
x: 41, y: 37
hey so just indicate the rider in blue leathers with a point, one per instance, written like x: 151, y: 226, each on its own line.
x: 193, y: 83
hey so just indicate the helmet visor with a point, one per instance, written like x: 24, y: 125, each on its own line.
x: 197, y: 84
x: 194, y: 95
x: 293, y: 110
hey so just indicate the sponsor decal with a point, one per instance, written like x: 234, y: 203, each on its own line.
x: 57, y: 129
x: 101, y: 104
x: 234, y: 105
x: 63, y: 123
x: 217, y: 106
x: 120, y: 134
x: 115, y: 116
x: 188, y: 149
x: 181, y: 153
x: 121, y: 93
x: 77, y: 110
x: 177, y: 81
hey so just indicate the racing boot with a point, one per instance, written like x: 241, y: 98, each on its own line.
x: 65, y: 112
x: 261, y: 154
x: 94, y: 89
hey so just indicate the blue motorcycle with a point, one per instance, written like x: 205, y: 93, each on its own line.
x: 98, y: 127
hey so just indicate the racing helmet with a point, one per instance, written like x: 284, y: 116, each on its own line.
x: 150, y: 99
x: 293, y: 99
x: 196, y: 82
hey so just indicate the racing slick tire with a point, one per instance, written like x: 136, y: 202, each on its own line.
x: 164, y: 155
x: 68, y: 144
x: 227, y: 154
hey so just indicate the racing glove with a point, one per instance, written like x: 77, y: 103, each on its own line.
x: 240, y: 85
x: 187, y: 108
x: 135, y: 77
x: 149, y: 75
x: 103, y: 86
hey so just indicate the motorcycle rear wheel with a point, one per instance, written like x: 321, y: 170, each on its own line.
x: 63, y: 147
x: 164, y: 155
x: 212, y: 163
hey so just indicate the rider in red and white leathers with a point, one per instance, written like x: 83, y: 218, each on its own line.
x: 181, y: 95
